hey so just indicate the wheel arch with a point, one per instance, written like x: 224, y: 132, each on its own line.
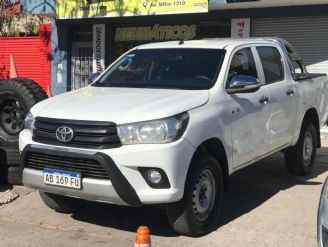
x: 311, y: 115
x: 214, y: 147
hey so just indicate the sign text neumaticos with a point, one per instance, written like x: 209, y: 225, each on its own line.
x: 98, y: 48
x: 157, y: 32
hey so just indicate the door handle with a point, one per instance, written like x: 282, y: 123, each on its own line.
x: 264, y: 100
x: 235, y: 110
x: 290, y: 92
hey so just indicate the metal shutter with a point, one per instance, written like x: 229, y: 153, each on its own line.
x: 308, y: 35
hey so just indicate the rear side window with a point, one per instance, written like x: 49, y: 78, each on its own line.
x: 242, y: 63
x: 271, y: 63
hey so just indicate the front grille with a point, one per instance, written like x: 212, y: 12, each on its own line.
x: 87, y: 134
x: 87, y: 167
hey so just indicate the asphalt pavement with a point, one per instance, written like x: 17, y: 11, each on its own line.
x: 264, y: 206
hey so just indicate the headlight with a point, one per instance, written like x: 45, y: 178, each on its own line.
x: 29, y: 121
x: 152, y: 132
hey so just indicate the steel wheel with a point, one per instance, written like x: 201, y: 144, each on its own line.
x: 204, y: 195
x: 300, y: 159
x: 199, y: 210
x: 307, y: 148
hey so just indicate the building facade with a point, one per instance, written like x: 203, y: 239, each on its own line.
x: 90, y: 42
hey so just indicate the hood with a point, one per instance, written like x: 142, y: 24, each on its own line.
x: 120, y: 105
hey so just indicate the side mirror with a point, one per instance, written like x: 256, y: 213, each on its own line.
x: 93, y: 77
x: 243, y: 84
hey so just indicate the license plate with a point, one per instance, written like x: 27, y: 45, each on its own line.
x: 62, y: 178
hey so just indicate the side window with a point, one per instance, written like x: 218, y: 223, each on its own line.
x: 242, y: 63
x: 272, y: 64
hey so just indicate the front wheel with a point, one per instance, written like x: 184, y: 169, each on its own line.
x: 61, y: 204
x: 300, y: 158
x: 199, y: 210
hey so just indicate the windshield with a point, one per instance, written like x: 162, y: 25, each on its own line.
x: 165, y: 68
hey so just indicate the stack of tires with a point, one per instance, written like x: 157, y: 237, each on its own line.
x: 17, y: 96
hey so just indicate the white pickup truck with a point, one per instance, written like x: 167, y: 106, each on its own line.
x: 168, y: 123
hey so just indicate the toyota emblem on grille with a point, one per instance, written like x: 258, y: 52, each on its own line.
x: 64, y: 134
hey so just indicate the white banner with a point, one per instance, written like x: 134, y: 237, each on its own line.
x: 98, y: 48
x: 240, y: 28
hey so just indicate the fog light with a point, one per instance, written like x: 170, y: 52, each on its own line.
x: 154, y: 176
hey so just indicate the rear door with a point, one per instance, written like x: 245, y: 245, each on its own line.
x: 250, y: 112
x: 282, y: 94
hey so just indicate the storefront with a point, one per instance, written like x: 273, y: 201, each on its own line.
x: 94, y: 46
x: 91, y: 43
x: 89, y: 35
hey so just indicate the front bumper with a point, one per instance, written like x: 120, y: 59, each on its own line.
x: 93, y: 189
x: 126, y: 185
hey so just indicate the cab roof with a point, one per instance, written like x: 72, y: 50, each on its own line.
x: 208, y: 43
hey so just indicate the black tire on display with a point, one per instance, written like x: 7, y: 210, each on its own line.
x: 9, y: 166
x: 3, y: 168
x: 17, y: 96
x: 61, y: 204
x: 198, y: 212
x: 300, y: 158
x: 14, y: 175
x: 11, y: 156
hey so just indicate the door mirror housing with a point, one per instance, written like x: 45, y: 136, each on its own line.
x: 243, y: 84
x: 93, y: 77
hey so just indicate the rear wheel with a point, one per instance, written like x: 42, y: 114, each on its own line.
x: 61, y: 204
x: 300, y: 158
x: 199, y: 210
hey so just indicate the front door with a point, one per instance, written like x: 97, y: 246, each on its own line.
x: 250, y: 113
x: 82, y: 59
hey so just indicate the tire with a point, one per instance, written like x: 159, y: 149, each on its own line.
x: 17, y: 96
x: 14, y: 175
x: 61, y: 204
x: 194, y: 215
x: 9, y: 166
x: 11, y: 156
x: 3, y: 168
x: 300, y: 158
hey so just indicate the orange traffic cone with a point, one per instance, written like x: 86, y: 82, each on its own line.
x: 143, y: 237
x: 13, y: 70
x: 48, y: 91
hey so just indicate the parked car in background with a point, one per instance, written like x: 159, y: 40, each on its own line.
x: 168, y: 123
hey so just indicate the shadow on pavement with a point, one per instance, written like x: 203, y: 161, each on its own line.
x: 249, y: 188
x: 254, y: 185
x: 127, y: 218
